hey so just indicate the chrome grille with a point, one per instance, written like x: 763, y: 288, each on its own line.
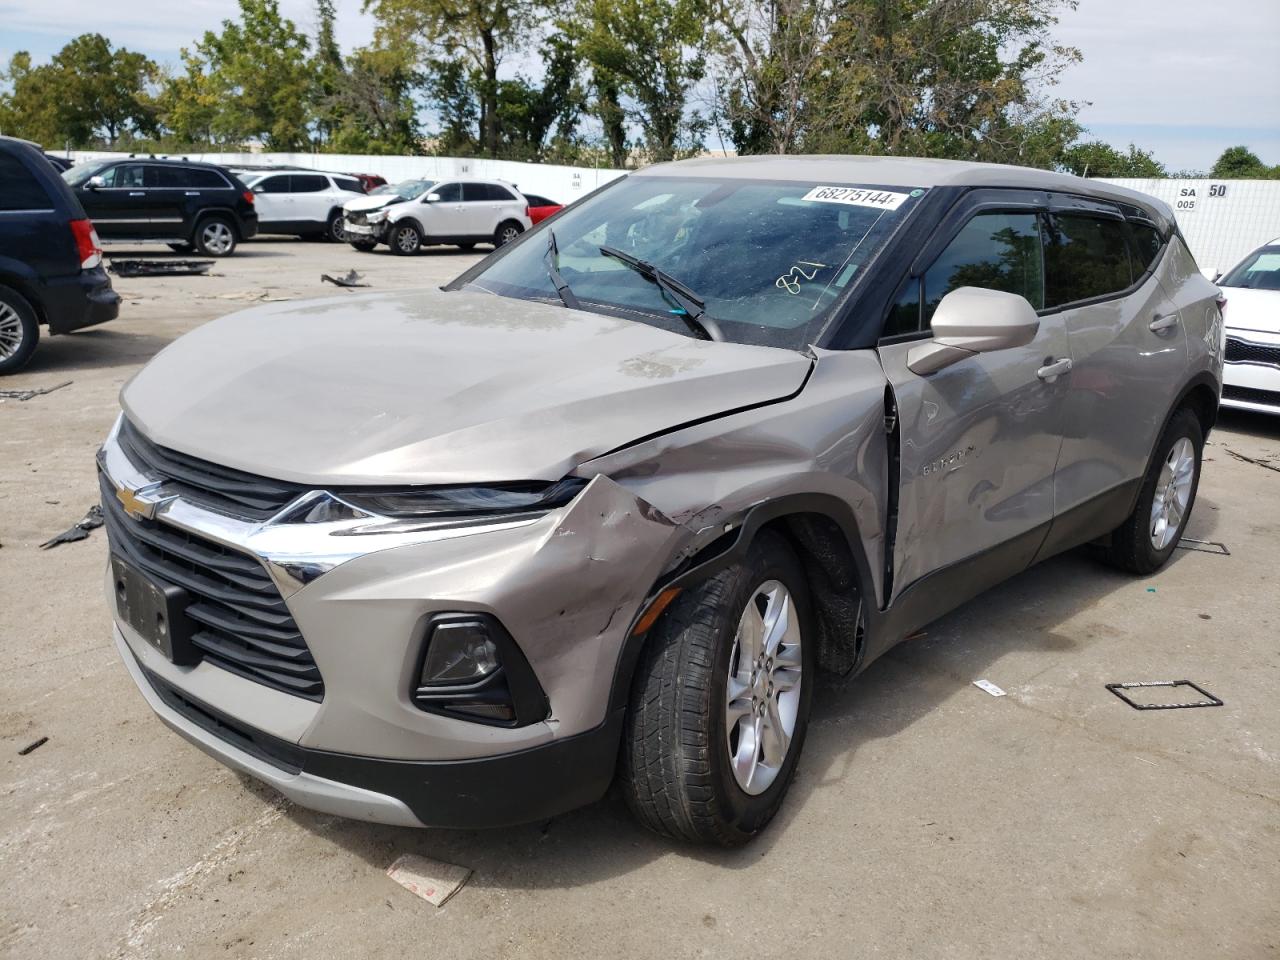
x: 243, y: 624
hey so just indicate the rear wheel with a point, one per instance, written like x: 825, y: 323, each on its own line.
x: 404, y: 239
x: 19, y: 331
x: 720, y: 702
x: 215, y: 237
x: 507, y: 231
x: 1146, y: 540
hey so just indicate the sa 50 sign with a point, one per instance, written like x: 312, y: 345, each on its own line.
x: 1187, y: 195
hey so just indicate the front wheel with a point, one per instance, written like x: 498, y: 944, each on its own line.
x: 1146, y: 540
x: 404, y: 239
x: 720, y: 702
x: 215, y: 237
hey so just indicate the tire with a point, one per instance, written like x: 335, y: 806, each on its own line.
x: 1146, y: 540
x: 180, y: 247
x: 507, y: 231
x: 336, y: 231
x: 215, y: 237
x: 466, y: 247
x: 676, y: 769
x: 404, y: 238
x: 19, y: 331
x: 364, y: 246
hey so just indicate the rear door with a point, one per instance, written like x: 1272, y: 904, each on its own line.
x: 274, y: 202
x: 172, y: 193
x: 311, y: 197
x: 978, y: 441
x: 480, y: 203
x: 1128, y: 348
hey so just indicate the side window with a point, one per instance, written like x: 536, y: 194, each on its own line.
x: 172, y: 177
x: 1088, y: 258
x: 308, y: 183
x: 206, y: 179
x: 996, y: 251
x: 126, y: 175
x: 475, y: 192
x: 448, y: 192
x: 347, y: 184
x: 1145, y: 245
x: 19, y: 188
x: 904, y: 315
x: 500, y: 193
x: 276, y: 184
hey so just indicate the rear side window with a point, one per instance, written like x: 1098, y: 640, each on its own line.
x: 346, y: 183
x: 475, y: 192
x: 19, y: 188
x: 1088, y: 258
x: 206, y: 179
x: 171, y: 176
x: 1145, y: 244
x: 308, y: 183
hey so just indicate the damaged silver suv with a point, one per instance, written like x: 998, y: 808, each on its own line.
x: 606, y: 504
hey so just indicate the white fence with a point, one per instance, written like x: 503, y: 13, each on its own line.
x: 1223, y: 220
x: 562, y: 184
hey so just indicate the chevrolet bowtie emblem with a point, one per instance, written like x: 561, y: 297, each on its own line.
x: 142, y: 503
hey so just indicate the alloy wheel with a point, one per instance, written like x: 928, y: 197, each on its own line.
x: 762, y: 695
x: 11, y: 332
x: 216, y: 237
x: 337, y: 230
x: 1173, y: 493
x: 407, y: 239
x: 508, y: 234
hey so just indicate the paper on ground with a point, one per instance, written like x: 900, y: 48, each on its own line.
x: 431, y: 880
x: 990, y: 687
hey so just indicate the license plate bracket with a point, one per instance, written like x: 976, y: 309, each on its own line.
x: 157, y: 611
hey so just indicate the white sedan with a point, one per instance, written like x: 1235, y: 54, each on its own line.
x: 1251, y: 380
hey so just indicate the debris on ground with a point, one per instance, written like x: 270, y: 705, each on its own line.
x: 257, y: 296
x: 1266, y: 464
x: 36, y: 745
x: 349, y: 279
x: 92, y: 520
x: 28, y: 394
x: 160, y: 268
x: 1119, y: 689
x: 989, y: 687
x: 1214, y: 547
x: 431, y: 880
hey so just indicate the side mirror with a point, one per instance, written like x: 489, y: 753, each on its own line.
x: 972, y: 320
x: 432, y: 198
x: 257, y: 188
x: 95, y: 183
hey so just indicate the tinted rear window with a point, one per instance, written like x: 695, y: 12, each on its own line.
x: 1088, y: 258
x: 19, y: 188
x: 537, y: 201
x: 486, y: 191
x: 278, y: 184
x: 207, y: 179
x: 351, y: 186
x: 308, y: 183
x: 1145, y: 244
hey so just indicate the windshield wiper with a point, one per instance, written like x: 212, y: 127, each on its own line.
x: 692, y: 306
x: 553, y: 271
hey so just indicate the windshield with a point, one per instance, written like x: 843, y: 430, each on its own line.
x: 83, y: 171
x: 408, y: 189
x: 1259, y: 271
x: 768, y: 258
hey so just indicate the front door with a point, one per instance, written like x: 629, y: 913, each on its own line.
x: 978, y: 441
x: 273, y: 202
x: 444, y: 216
x: 311, y: 200
x: 120, y: 207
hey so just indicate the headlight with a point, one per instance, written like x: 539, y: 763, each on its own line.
x: 376, y: 216
x: 487, y: 501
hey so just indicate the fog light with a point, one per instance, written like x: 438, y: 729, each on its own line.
x: 459, y: 653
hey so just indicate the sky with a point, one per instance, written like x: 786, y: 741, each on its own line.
x: 1183, y: 79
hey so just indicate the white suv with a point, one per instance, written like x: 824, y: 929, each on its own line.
x: 416, y: 213
x: 302, y: 203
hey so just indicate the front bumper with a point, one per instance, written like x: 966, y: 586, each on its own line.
x: 1251, y: 375
x: 367, y: 231
x: 81, y: 300
x: 465, y: 794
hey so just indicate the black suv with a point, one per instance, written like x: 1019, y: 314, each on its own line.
x: 185, y: 204
x: 50, y: 261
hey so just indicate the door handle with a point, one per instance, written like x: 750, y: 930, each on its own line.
x: 192, y: 193
x: 1051, y: 370
x: 136, y: 193
x: 1162, y: 323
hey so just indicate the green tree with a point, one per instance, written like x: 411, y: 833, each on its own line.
x: 256, y: 77
x: 532, y: 114
x: 374, y: 101
x: 652, y: 52
x: 483, y: 31
x: 1098, y: 159
x: 327, y: 63
x: 88, y: 94
x: 1241, y: 163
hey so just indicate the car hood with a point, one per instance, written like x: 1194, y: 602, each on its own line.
x: 1252, y: 309
x: 436, y: 388
x: 373, y: 203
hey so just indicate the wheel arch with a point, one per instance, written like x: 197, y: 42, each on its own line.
x: 25, y: 285
x: 225, y: 213
x: 823, y: 531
